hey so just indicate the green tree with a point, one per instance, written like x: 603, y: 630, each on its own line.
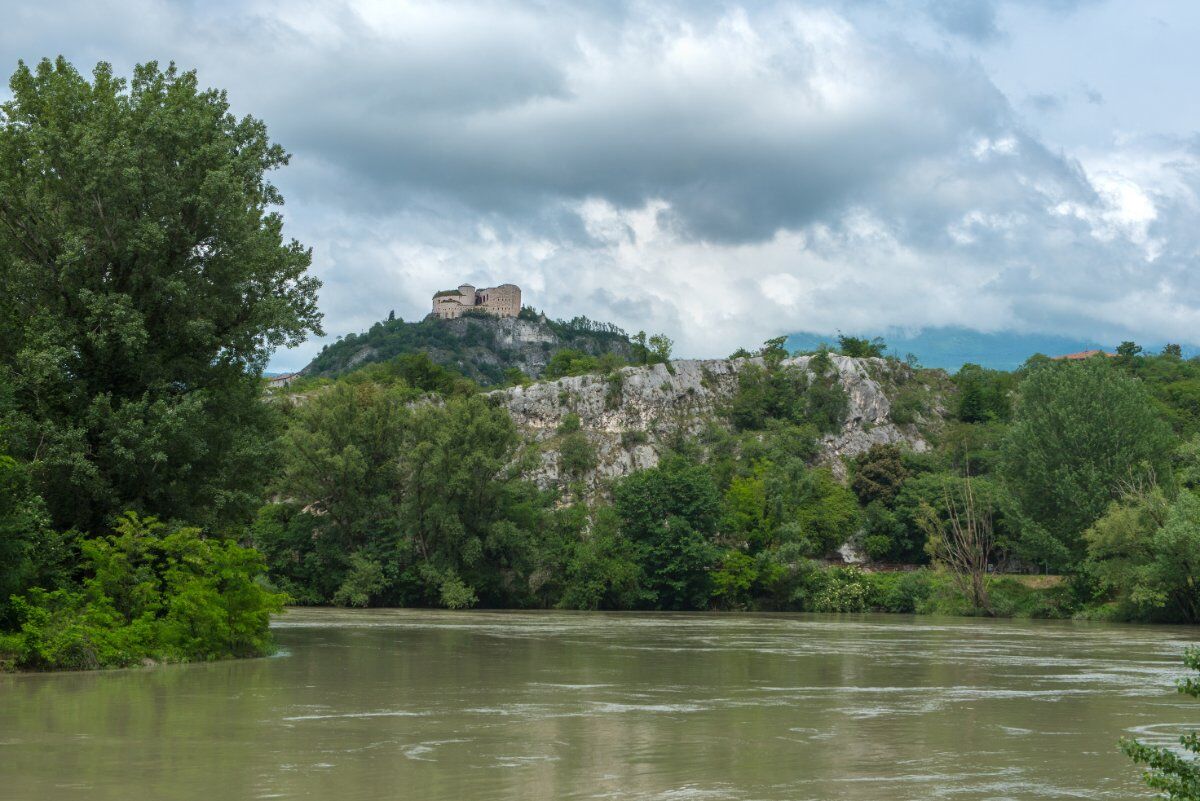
x: 786, y: 392
x: 602, y: 569
x: 660, y: 348
x: 340, y: 462
x: 810, y: 508
x: 1081, y: 432
x: 861, y: 347
x: 983, y: 395
x: 1128, y: 349
x: 744, y: 513
x: 733, y: 579
x: 773, y: 352
x: 576, y: 454
x: 655, y: 349
x: 428, y: 496
x: 641, y: 351
x: 670, y: 512
x: 568, y: 362
x: 878, y: 473
x: 1144, y: 555
x: 144, y: 281
x: 884, y: 536
x: 764, y: 394
x: 415, y: 370
x: 1175, y: 775
x: 364, y: 581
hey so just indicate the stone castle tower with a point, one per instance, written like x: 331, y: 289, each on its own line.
x: 502, y: 301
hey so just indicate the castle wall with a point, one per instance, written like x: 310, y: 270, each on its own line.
x: 502, y: 301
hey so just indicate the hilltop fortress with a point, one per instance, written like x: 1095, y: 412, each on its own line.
x: 502, y: 301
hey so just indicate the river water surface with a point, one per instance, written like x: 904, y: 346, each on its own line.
x: 388, y: 704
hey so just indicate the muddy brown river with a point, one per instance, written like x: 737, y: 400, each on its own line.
x: 397, y: 704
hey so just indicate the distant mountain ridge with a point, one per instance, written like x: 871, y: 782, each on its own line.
x: 950, y: 347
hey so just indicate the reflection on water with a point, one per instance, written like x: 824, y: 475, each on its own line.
x: 388, y: 704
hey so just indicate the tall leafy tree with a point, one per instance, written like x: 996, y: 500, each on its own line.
x: 670, y: 513
x: 983, y: 394
x: 404, y: 503
x: 1082, y: 432
x: 144, y: 281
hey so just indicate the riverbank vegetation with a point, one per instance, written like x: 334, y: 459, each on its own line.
x: 1071, y: 470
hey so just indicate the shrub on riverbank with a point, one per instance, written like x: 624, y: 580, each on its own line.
x: 931, y: 592
x: 150, y: 592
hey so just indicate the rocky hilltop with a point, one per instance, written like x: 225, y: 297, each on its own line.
x: 629, y: 415
x: 480, y: 346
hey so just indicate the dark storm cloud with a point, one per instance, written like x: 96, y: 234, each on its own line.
x: 733, y: 121
x: 512, y: 108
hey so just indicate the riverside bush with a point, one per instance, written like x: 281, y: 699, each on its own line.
x: 842, y: 589
x: 151, y: 592
x: 904, y: 591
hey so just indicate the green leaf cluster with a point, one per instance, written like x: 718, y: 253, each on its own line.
x: 393, y: 501
x: 144, y: 281
x: 151, y: 592
x: 1081, y: 432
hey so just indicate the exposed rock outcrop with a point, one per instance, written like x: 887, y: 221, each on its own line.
x: 628, y: 416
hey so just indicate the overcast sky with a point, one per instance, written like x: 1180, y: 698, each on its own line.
x: 721, y: 172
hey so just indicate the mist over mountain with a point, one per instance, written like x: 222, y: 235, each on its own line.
x: 950, y: 347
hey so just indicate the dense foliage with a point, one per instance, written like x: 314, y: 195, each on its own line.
x: 779, y: 391
x: 399, y: 503
x: 1080, y: 433
x: 150, y: 592
x: 741, y: 516
x: 144, y: 282
x: 1144, y: 555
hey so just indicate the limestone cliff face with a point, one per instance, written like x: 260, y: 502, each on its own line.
x: 526, y: 344
x: 627, y: 418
